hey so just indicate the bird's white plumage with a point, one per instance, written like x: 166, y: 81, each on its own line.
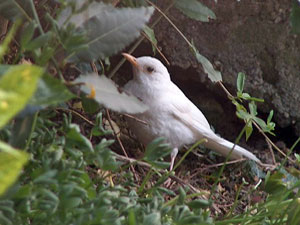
x: 171, y: 114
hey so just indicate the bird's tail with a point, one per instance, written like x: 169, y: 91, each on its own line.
x: 223, y: 147
x: 216, y: 143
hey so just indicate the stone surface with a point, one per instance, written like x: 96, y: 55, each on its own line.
x: 248, y: 36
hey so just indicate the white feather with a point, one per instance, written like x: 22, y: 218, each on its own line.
x: 171, y: 114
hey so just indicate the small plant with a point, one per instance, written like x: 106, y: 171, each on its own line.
x: 251, y: 116
x: 56, y: 160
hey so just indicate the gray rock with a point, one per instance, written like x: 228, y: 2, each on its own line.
x: 248, y: 36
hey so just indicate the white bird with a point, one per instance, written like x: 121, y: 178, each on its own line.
x: 171, y: 114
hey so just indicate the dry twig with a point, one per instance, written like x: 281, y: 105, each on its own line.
x: 135, y: 118
x: 144, y: 164
x: 272, y: 152
x: 158, y: 50
x: 120, y: 143
x: 77, y: 114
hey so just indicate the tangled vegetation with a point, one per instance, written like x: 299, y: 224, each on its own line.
x: 57, y: 164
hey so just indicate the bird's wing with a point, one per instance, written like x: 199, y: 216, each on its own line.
x: 191, y: 116
x: 182, y: 109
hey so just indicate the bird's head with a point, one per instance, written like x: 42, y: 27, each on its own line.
x: 147, y: 69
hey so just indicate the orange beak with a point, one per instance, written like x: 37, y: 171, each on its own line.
x: 131, y: 59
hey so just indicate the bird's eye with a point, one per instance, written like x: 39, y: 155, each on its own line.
x: 150, y: 69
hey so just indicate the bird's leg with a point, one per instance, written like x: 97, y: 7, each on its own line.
x: 174, y: 152
x: 173, y: 156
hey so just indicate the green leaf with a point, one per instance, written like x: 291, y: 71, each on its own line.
x: 182, y: 196
x: 269, y: 120
x: 270, y: 127
x: 238, y: 105
x: 21, y: 131
x: 240, y: 82
x: 7, y: 208
x: 4, y: 46
x: 71, y: 202
x: 249, y: 130
x: 159, y: 164
x: 199, y: 203
x: 108, y: 29
x: 104, y: 157
x: 74, y: 137
x: 253, y: 108
x: 253, y: 98
x: 23, y: 191
x: 43, y: 57
x: 131, y: 217
x: 295, y: 17
x: 78, y: 12
x: 46, y: 177
x: 213, y: 74
x: 5, y: 220
x: 88, y: 186
x: 166, y: 191
x: 274, y: 183
x: 151, y: 35
x: 193, y: 220
x: 297, y: 156
x: 50, y: 91
x: 72, y: 43
x: 246, y: 96
x: 3, y: 69
x: 15, y: 9
x: 38, y: 42
x: 106, y: 92
x: 244, y: 115
x: 293, y: 212
x: 11, y: 164
x: 98, y: 129
x: 90, y: 105
x: 27, y: 34
x: 195, y: 10
x: 49, y: 195
x: 17, y: 86
x: 152, y: 219
x: 155, y: 151
x: 261, y: 123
